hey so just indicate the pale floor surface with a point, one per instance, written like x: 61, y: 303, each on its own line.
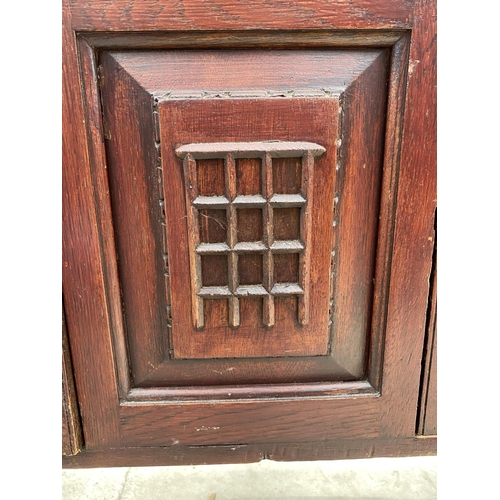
x: 408, y: 478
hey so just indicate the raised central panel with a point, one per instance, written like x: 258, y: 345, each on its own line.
x: 256, y: 262
x: 245, y: 190
x: 241, y: 240
x: 260, y: 260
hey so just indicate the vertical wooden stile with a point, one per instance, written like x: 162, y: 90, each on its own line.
x: 305, y: 235
x: 230, y: 176
x: 267, y: 180
x: 191, y: 189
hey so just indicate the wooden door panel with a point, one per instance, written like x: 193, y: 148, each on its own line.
x: 245, y: 123
x: 285, y: 313
x: 249, y: 195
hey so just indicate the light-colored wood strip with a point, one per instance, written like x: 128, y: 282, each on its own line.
x: 233, y: 271
x: 275, y: 149
x: 287, y: 246
x: 234, y: 305
x: 212, y: 248
x: 268, y: 303
x: 234, y: 312
x: 190, y: 175
x: 230, y: 177
x: 287, y: 200
x: 232, y: 240
x: 287, y: 289
x: 214, y: 292
x: 250, y: 247
x: 251, y: 201
x: 210, y: 202
x: 230, y: 184
x: 267, y: 177
x: 305, y: 234
x: 268, y: 259
x: 268, y: 311
x: 193, y: 241
x: 251, y: 290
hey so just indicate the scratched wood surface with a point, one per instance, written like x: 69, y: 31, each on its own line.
x: 102, y: 344
x: 338, y: 449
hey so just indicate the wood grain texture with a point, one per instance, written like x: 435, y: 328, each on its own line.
x: 174, y: 372
x: 72, y: 438
x: 252, y: 391
x: 241, y: 230
x: 124, y: 15
x: 357, y: 192
x: 392, y: 150
x: 98, y: 163
x: 414, y: 231
x: 367, y: 62
x: 247, y: 119
x: 128, y: 114
x: 92, y: 312
x: 276, y: 39
x: 338, y: 449
x: 247, y: 421
x: 84, y: 290
x: 427, y: 413
x: 279, y: 73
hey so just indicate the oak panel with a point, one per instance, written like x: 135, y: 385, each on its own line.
x: 392, y: 392
x: 210, y: 122
x: 123, y: 15
x: 223, y: 422
x: 372, y: 63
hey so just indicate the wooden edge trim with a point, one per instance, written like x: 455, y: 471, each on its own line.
x: 243, y: 39
x: 243, y: 453
x: 253, y: 392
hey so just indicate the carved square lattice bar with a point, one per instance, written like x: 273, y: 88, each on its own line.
x: 233, y: 215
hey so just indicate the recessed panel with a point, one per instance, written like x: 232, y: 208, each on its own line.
x: 246, y: 253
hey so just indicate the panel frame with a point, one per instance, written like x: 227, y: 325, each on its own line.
x: 152, y: 371
x: 103, y: 436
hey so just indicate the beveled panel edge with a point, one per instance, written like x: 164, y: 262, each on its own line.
x: 396, y: 102
x: 248, y: 39
x: 309, y: 390
x: 396, y: 36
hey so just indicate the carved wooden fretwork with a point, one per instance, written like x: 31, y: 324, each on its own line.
x: 235, y: 218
